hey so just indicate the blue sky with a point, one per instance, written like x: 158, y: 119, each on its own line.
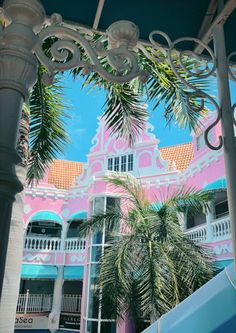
x: 85, y: 107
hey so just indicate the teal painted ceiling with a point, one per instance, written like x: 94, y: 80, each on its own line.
x: 177, y: 18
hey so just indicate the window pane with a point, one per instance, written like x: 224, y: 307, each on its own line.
x: 93, y: 296
x: 108, y: 327
x: 123, y: 163
x: 112, y: 202
x: 96, y: 253
x: 110, y: 164
x: 221, y: 209
x: 97, y: 238
x: 130, y: 162
x: 98, y: 205
x: 116, y: 164
x: 92, y: 327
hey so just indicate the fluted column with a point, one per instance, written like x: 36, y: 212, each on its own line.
x: 18, y: 71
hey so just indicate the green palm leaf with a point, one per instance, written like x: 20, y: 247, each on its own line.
x: 47, y: 129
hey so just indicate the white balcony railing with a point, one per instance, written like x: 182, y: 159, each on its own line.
x: 71, y: 303
x: 38, y: 303
x: 53, y: 244
x: 221, y: 229
x: 74, y: 244
x: 218, y: 230
x: 197, y: 234
x: 34, y: 303
x: 42, y: 243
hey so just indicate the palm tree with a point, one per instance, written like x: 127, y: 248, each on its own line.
x: 42, y: 123
x: 147, y: 270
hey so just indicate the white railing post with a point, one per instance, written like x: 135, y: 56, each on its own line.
x: 209, y: 220
x: 26, y: 301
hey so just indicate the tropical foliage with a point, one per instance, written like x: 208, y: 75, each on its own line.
x: 147, y: 270
x: 43, y: 124
x: 123, y: 109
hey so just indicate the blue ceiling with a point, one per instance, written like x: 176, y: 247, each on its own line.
x: 176, y: 18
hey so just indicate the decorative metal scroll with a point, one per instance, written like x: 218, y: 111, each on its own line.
x: 202, y: 69
x: 68, y: 44
x: 232, y: 69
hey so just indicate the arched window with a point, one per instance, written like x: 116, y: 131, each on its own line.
x: 45, y: 223
x: 75, y: 221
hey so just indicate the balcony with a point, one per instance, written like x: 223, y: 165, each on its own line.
x: 218, y: 230
x: 42, y: 303
x: 75, y: 244
x: 42, y: 243
x: 37, y: 243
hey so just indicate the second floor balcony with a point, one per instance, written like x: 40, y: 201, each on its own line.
x: 39, y: 243
x: 218, y: 230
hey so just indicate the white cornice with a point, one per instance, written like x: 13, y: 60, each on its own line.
x: 47, y: 192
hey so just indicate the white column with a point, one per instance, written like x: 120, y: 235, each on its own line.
x: 63, y: 236
x: 182, y: 218
x: 54, y: 316
x: 18, y: 72
x: 209, y: 219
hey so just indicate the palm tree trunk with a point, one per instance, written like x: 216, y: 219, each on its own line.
x: 12, y: 274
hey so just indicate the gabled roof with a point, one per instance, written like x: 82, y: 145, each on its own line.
x: 178, y: 155
x: 63, y: 173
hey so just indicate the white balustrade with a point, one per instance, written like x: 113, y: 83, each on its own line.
x: 75, y: 244
x: 71, y: 303
x: 34, y: 303
x: 42, y: 243
x: 198, y: 234
x: 53, y: 244
x: 221, y: 229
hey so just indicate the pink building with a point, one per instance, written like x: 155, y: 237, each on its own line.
x: 58, y: 267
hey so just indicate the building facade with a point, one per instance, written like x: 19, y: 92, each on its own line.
x: 58, y: 276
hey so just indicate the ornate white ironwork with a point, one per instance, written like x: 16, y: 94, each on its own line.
x: 232, y: 68
x: 202, y: 69
x: 68, y: 46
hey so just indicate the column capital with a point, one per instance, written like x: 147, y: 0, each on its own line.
x: 28, y: 12
x: 18, y: 64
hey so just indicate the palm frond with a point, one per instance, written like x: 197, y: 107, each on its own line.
x: 130, y: 186
x: 187, y: 198
x: 48, y: 136
x: 110, y: 220
x: 180, y: 105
